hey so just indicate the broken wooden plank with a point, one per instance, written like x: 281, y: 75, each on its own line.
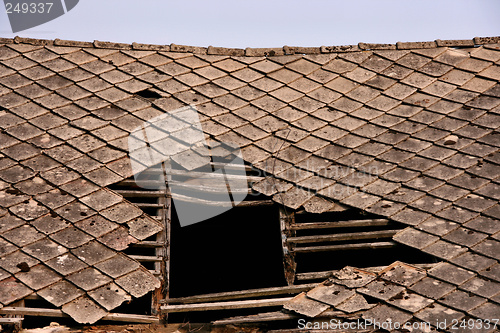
x: 247, y: 304
x: 197, y: 185
x: 270, y: 316
x: 43, y: 312
x: 343, y: 236
x: 231, y: 295
x: 255, y: 203
x: 148, y: 205
x: 140, y: 193
x: 142, y: 183
x: 148, y: 244
x: 141, y: 258
x: 289, y: 264
x: 343, y: 247
x: 341, y: 224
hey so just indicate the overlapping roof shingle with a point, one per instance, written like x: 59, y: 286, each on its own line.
x: 407, y: 131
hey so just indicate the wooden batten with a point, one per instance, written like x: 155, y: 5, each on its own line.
x: 344, y: 247
x: 231, y: 305
x: 271, y: 317
x: 354, y: 236
x: 341, y: 224
x: 241, y: 294
x: 163, y: 210
x: 140, y: 193
x: 42, y: 312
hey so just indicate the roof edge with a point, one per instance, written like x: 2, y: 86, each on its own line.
x: 250, y: 52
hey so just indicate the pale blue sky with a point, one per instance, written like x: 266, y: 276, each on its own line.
x: 258, y: 23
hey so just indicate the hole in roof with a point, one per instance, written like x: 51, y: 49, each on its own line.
x: 148, y: 94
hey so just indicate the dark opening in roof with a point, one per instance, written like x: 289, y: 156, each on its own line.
x: 149, y: 94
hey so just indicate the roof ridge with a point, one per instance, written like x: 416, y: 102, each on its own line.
x: 249, y: 52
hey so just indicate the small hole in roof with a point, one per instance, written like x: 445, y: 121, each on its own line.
x: 149, y: 94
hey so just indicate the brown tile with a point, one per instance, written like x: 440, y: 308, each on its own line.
x: 418, y: 80
x: 381, y: 290
x: 415, y: 238
x: 438, y: 313
x: 489, y: 248
x: 482, y: 287
x: 11, y: 290
x: 138, y: 283
x: 60, y: 293
x: 451, y: 273
x: 475, y: 202
x: 457, y: 214
x: 380, y: 82
x: 304, y: 85
x: 361, y: 200
x: 437, y: 226
x: 444, y: 250
x: 468, y: 181
x: 410, y: 216
x: 38, y: 277
x: 413, y: 61
x: 430, y: 204
x: 457, y: 77
x: 473, y: 65
x: 13, y: 262
x: 339, y: 66
x: 118, y: 239
x: 383, y: 103
x: 443, y: 172
x: 436, y: 69
x: 462, y: 301
x: 400, y: 175
x: 449, y: 192
x: 341, y: 85
x: 360, y: 75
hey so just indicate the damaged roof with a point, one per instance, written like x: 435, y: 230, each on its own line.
x: 406, y: 131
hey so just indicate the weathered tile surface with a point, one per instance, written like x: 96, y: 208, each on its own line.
x: 408, y: 133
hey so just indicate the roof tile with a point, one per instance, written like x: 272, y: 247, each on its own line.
x: 437, y: 226
x: 451, y: 273
x: 60, y: 293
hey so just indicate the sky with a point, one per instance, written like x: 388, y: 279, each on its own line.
x: 257, y: 23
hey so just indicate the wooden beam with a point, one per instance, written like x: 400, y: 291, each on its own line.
x: 204, y: 188
x: 168, y: 242
x: 148, y: 205
x: 341, y: 224
x: 242, y: 294
x: 10, y: 321
x: 198, y: 201
x: 143, y: 183
x: 289, y: 263
x: 256, y: 203
x: 163, y: 205
x: 148, y: 244
x: 343, y: 237
x: 140, y: 193
x: 141, y: 258
x: 41, y: 312
x: 271, y: 316
x: 343, y: 247
x: 248, y: 304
